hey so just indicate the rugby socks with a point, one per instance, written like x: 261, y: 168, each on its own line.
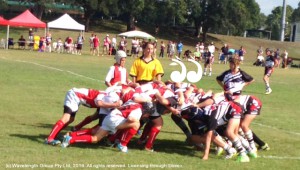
x: 59, y: 125
x: 81, y: 132
x: 258, y: 140
x: 180, y: 123
x: 245, y: 143
x: 127, y: 136
x: 81, y: 139
x: 238, y: 145
x: 249, y: 137
x: 146, y: 131
x: 152, y: 136
x: 86, y: 121
x: 267, y: 86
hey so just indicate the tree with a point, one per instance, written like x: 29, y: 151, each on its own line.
x: 296, y: 14
x: 274, y: 21
x: 131, y: 8
x: 90, y: 7
x: 3, y: 7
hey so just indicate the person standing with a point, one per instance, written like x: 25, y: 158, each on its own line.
x: 162, y: 49
x: 270, y: 63
x: 242, y: 52
x: 96, y: 45
x: 234, y: 80
x: 179, y: 48
x: 225, y: 53
x: 117, y: 73
x: 134, y: 47
x: 146, y: 68
x: 106, y: 43
x: 123, y: 44
x: 285, y: 58
x: 208, y: 59
x: 92, y: 44
x: 48, y: 43
x: 80, y: 40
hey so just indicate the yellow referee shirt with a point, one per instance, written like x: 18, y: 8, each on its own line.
x: 146, y: 71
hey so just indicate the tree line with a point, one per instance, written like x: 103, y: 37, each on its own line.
x: 216, y: 16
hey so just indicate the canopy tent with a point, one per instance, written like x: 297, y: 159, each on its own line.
x: 137, y: 34
x: 3, y: 21
x: 66, y: 22
x: 26, y: 19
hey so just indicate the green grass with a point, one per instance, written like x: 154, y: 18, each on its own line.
x: 33, y: 86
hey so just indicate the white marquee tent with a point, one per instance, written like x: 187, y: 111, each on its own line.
x: 66, y: 22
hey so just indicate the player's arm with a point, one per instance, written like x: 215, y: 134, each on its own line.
x: 103, y: 104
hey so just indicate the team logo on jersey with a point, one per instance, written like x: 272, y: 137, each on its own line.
x: 191, y: 76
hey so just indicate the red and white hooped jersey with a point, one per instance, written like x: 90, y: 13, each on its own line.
x: 147, y: 87
x: 128, y: 107
x: 88, y: 97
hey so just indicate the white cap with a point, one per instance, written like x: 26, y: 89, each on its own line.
x: 119, y: 55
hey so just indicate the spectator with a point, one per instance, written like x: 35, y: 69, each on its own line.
x: 80, y: 40
x: 30, y: 35
x: 22, y: 42
x: 179, y: 48
x: 48, y: 43
x: 285, y: 59
x: 225, y: 52
x: 134, y: 47
x: 96, y: 45
x: 92, y: 44
x: 162, y: 49
x: 106, y: 43
x: 242, y: 52
x: 277, y: 57
x: 123, y: 44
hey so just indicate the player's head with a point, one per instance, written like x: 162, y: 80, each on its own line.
x: 234, y: 62
x: 119, y: 55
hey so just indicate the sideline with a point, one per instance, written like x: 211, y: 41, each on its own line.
x: 279, y: 157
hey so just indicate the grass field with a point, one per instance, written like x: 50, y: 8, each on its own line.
x: 33, y: 87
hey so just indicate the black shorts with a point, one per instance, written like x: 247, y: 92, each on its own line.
x: 79, y: 46
x: 69, y: 111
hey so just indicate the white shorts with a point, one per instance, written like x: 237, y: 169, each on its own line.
x: 112, y: 120
x: 72, y: 101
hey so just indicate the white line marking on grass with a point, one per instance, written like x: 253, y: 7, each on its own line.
x: 57, y: 69
x: 82, y: 76
x: 290, y: 132
x: 53, y: 68
x: 280, y: 157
